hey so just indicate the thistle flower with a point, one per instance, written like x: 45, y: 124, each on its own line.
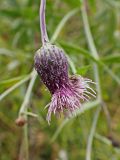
x: 52, y: 66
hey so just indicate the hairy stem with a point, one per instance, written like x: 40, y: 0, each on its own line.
x: 44, y: 35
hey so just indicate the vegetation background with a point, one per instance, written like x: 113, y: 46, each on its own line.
x: 89, y: 32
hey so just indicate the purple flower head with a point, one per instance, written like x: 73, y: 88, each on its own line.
x: 52, y: 66
x: 67, y: 92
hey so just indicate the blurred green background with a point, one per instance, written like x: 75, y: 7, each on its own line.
x: 19, y: 40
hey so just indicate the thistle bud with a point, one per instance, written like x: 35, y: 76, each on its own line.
x: 21, y: 121
x: 67, y: 91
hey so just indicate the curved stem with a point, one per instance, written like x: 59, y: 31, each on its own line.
x: 91, y: 134
x: 44, y: 35
x: 94, y: 52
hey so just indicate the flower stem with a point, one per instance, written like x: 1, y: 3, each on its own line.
x: 44, y: 35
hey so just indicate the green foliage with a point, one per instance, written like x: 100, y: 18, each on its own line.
x: 19, y: 40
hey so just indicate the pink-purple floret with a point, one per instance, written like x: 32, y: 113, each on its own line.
x: 67, y: 92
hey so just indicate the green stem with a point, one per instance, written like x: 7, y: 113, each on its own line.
x: 22, y: 111
x: 25, y: 103
x: 91, y: 134
x: 94, y: 53
x: 26, y: 143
